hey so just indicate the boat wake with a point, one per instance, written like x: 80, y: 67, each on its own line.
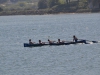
x: 90, y: 42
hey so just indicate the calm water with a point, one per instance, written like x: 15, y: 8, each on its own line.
x: 49, y: 60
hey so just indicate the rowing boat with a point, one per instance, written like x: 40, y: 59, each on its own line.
x: 51, y: 44
x: 33, y: 45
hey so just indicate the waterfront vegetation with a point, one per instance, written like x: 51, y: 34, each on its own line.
x: 32, y: 7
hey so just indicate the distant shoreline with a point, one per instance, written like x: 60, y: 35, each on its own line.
x: 43, y: 12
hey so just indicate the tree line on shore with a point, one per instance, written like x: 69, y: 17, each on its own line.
x: 26, y: 7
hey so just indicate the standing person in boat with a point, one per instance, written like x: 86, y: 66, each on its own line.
x: 30, y: 42
x: 75, y: 39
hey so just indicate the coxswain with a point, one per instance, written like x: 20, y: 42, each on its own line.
x: 75, y: 39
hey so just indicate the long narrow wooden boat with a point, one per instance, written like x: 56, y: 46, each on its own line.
x: 33, y: 45
x: 55, y: 44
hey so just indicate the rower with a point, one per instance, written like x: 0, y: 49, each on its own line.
x: 41, y: 42
x: 60, y: 41
x: 50, y: 42
x: 75, y: 39
x: 30, y: 42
